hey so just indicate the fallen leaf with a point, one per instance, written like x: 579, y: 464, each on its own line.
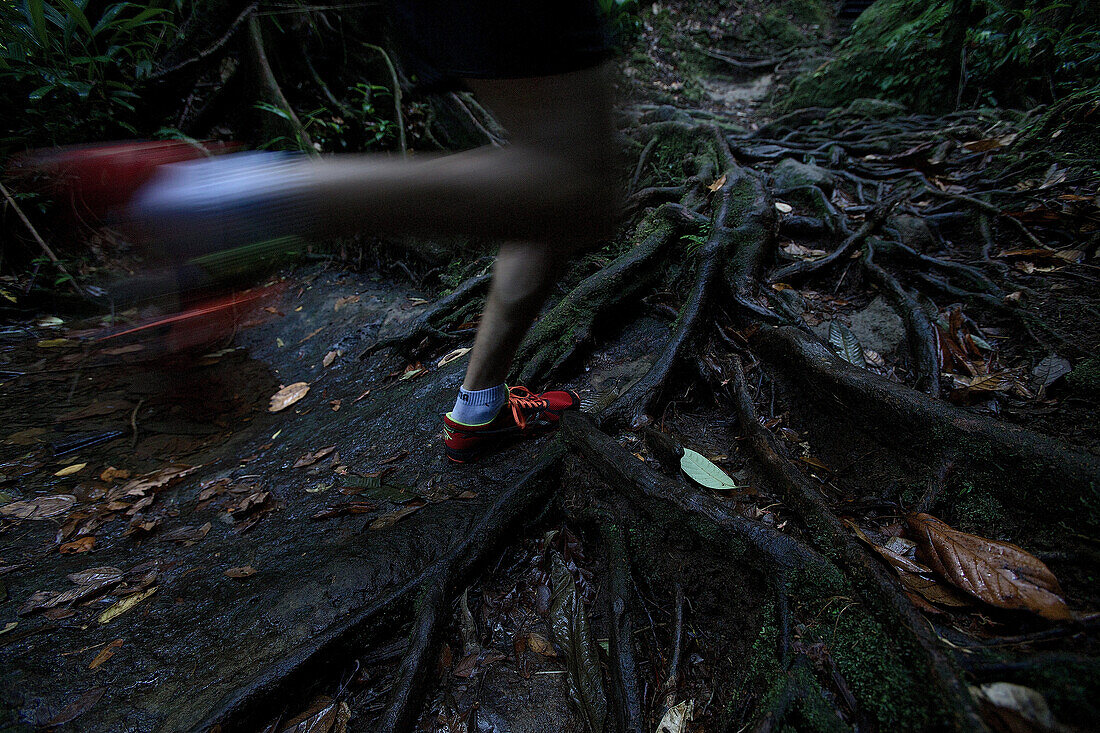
x: 342, y: 302
x: 399, y: 455
x: 125, y: 605
x: 1049, y: 370
x: 49, y: 322
x: 451, y: 356
x: 413, y: 370
x: 999, y: 573
x: 57, y: 343
x: 701, y: 470
x: 321, y: 717
x: 70, y: 470
x: 288, y: 395
x: 120, y: 350
x: 106, y: 653
x: 26, y: 437
x: 387, y: 520
x: 95, y: 575
x: 358, y: 507
x: 783, y: 208
x: 77, y: 707
x: 329, y: 358
x: 188, y: 535
x: 8, y: 627
x: 114, y: 474
x: 845, y: 344
x: 677, y: 718
x: 540, y: 645
x: 717, y: 184
x: 42, y: 507
x: 241, y: 572
x: 309, y: 459
x: 335, y: 405
x: 1015, y: 707
x: 141, y: 485
x: 77, y: 546
x: 417, y: 301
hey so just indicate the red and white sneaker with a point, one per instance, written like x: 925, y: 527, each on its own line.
x: 525, y: 415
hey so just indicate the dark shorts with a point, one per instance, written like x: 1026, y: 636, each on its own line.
x: 445, y: 40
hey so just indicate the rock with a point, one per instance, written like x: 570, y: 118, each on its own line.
x: 878, y: 327
x: 791, y: 174
x: 876, y: 109
x: 913, y: 231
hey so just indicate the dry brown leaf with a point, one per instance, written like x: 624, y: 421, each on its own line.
x: 106, y: 653
x: 70, y: 470
x: 113, y: 474
x: 95, y: 575
x: 242, y: 572
x: 341, y: 302
x: 387, y: 520
x: 999, y: 573
x: 329, y: 358
x: 77, y: 546
x: 540, y: 645
x: 40, y: 507
x: 288, y: 395
x: 157, y: 479
x: 309, y: 459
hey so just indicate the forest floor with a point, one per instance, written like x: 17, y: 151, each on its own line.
x: 862, y: 317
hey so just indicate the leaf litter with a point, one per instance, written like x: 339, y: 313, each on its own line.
x: 998, y: 573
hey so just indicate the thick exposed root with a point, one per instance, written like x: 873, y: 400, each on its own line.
x: 881, y: 592
x: 1027, y: 468
x: 923, y: 341
x: 429, y: 592
x: 569, y: 325
x: 625, y: 691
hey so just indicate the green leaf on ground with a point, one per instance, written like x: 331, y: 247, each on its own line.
x: 701, y: 470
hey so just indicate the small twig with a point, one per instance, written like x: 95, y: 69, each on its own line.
x: 42, y: 242
x: 674, y: 665
x: 133, y: 424
x: 209, y: 49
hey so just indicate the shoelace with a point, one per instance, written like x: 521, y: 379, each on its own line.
x: 520, y: 399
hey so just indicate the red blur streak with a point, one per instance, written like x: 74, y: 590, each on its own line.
x: 103, y: 177
x: 205, y: 322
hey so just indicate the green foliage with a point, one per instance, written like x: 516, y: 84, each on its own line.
x: 931, y: 55
x: 69, y: 73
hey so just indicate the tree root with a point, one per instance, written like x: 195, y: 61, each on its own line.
x: 568, y: 325
x: 625, y: 693
x: 340, y: 642
x: 1018, y: 463
x: 623, y: 471
x: 431, y: 322
x: 878, y: 589
x: 922, y: 336
x: 806, y: 268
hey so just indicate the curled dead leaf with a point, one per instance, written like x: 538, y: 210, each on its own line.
x: 999, y: 573
x: 77, y: 546
x: 106, y: 653
x: 288, y: 395
x: 244, y: 571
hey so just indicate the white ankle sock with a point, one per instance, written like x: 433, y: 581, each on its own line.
x: 479, y: 406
